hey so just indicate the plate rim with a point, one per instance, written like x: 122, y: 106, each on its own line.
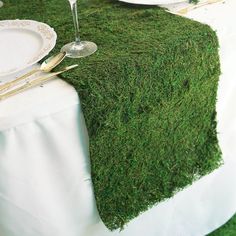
x: 46, y: 32
x: 153, y: 2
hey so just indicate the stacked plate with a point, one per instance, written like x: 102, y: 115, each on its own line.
x: 154, y: 2
x: 179, y: 7
x: 23, y: 43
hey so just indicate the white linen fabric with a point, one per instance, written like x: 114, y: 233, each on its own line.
x: 45, y: 182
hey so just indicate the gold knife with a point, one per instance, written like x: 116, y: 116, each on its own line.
x: 195, y: 6
x: 35, y: 82
x: 46, y: 66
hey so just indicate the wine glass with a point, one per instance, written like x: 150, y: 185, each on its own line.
x: 1, y: 3
x: 78, y: 48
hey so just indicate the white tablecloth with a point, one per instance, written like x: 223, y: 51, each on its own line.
x: 45, y: 183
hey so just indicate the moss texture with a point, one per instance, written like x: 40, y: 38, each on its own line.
x: 148, y: 96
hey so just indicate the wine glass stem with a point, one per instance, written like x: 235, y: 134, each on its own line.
x: 76, y: 20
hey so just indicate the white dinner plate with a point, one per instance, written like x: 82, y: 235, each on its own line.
x: 153, y: 2
x: 23, y: 43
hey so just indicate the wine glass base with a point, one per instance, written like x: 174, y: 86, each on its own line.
x: 78, y: 50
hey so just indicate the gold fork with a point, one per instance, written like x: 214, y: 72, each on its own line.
x: 46, y: 66
x: 192, y: 7
x: 35, y: 82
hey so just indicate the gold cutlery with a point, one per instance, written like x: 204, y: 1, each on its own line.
x: 195, y: 6
x: 46, y: 66
x: 35, y: 82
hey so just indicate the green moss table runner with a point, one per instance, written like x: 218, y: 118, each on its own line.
x: 148, y: 96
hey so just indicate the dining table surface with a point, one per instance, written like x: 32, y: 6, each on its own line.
x: 45, y: 177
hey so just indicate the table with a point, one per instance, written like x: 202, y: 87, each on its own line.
x: 46, y: 188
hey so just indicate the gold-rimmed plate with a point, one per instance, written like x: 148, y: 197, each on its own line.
x: 153, y: 2
x: 23, y: 43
